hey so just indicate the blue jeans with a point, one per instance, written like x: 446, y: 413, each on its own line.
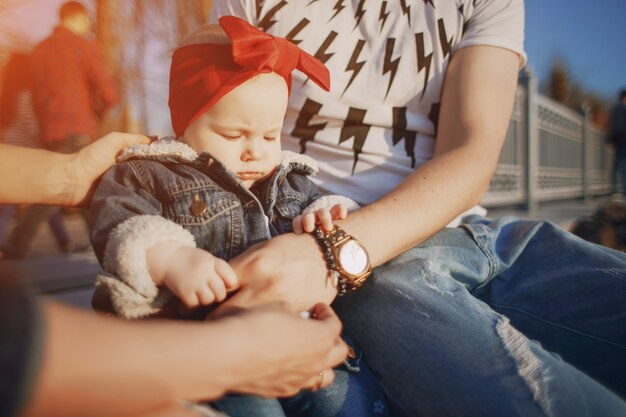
x: 496, y: 318
x: 354, y: 393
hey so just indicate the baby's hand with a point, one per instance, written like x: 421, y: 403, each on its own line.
x: 198, y: 278
x: 322, y: 217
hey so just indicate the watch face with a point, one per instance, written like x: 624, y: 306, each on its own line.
x: 353, y: 258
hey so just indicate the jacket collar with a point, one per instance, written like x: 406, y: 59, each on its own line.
x: 171, y: 150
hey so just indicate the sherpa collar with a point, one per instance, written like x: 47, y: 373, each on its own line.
x: 169, y: 149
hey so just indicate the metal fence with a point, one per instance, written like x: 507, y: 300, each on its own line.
x: 550, y: 153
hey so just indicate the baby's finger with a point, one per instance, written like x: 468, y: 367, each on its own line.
x: 296, y: 225
x: 227, y: 275
x: 308, y: 222
x: 339, y: 211
x: 217, y: 286
x: 190, y: 300
x: 205, y: 295
x: 324, y: 218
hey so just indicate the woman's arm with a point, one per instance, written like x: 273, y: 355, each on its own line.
x: 476, y: 104
x: 99, y: 366
x: 32, y: 176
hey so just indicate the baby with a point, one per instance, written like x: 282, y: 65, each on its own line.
x: 166, y: 219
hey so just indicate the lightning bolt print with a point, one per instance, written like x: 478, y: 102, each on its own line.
x: 297, y: 29
x: 321, y: 52
x: 401, y: 132
x: 423, y: 60
x: 354, y: 65
x: 259, y: 6
x: 446, y: 45
x: 303, y: 129
x: 383, y: 15
x: 338, y: 7
x: 354, y: 127
x: 311, y: 2
x: 360, y: 11
x: 267, y: 22
x: 431, y: 3
x: 388, y: 64
x: 406, y: 10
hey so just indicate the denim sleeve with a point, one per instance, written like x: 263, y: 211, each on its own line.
x: 124, y: 191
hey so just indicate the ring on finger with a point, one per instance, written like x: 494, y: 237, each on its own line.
x: 321, y: 381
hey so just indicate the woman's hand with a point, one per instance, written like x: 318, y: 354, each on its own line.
x: 88, y: 164
x: 288, y: 268
x: 288, y: 353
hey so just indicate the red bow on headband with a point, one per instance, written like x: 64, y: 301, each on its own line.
x: 201, y: 74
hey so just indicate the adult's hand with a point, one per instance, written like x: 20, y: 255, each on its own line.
x: 88, y: 164
x: 280, y: 352
x: 288, y: 268
x: 128, y: 368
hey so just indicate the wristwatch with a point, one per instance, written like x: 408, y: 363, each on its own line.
x: 345, y: 256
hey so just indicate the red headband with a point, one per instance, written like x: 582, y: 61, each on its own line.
x: 201, y: 74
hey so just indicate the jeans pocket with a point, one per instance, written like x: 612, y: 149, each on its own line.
x: 353, y: 361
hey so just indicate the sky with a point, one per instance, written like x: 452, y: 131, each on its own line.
x: 589, y: 36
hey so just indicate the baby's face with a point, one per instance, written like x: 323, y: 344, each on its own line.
x: 243, y: 129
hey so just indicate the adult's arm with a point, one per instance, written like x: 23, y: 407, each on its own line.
x: 32, y: 176
x: 122, y: 368
x: 476, y: 104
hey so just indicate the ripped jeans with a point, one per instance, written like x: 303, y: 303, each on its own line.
x: 496, y: 318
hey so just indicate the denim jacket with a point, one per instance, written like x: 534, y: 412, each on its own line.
x: 165, y: 191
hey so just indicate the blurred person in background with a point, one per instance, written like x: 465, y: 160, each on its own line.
x: 616, y: 136
x: 19, y: 127
x: 72, y: 90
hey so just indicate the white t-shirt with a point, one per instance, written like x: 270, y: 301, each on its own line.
x: 387, y: 60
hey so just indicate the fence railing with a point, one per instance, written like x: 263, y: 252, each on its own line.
x: 550, y: 153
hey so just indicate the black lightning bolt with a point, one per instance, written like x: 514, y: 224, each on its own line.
x: 406, y: 10
x: 401, y: 132
x: 353, y: 64
x: 433, y: 115
x: 360, y: 11
x: 303, y: 130
x: 321, y: 52
x: 354, y: 127
x: 267, y: 21
x: 431, y: 3
x: 339, y: 7
x: 383, y: 14
x: 294, y: 32
x: 423, y: 60
x: 388, y: 64
x: 446, y: 45
x: 259, y: 6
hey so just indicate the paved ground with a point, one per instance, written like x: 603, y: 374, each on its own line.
x: 70, y: 278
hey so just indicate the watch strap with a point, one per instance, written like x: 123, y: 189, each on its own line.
x: 329, y: 257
